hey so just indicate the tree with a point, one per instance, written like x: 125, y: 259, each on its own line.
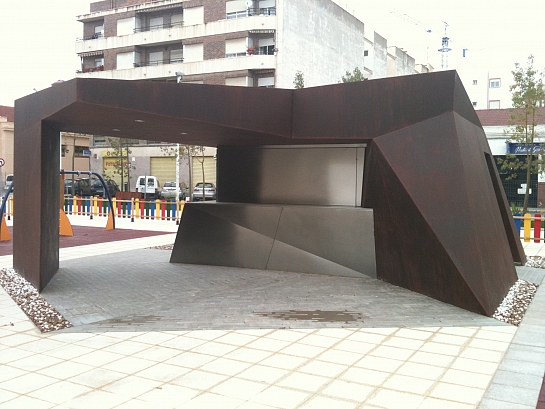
x: 299, y: 80
x: 527, y: 96
x: 354, y: 76
x: 121, y: 150
x: 187, y: 151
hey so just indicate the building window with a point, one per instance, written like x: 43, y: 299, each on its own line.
x: 474, y: 82
x: 494, y: 104
x: 156, y: 23
x: 99, y: 141
x: 366, y: 53
x: 176, y: 56
x: 233, y: 55
x: 495, y: 83
x: 99, y: 62
x: 266, y: 82
x: 99, y: 31
x: 81, y: 151
x: 474, y: 103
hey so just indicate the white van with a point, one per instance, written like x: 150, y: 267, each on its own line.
x: 149, y: 186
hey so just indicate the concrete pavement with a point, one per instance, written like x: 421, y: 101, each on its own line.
x: 149, y: 334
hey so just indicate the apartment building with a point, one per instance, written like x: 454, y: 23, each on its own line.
x: 236, y: 42
x: 251, y: 43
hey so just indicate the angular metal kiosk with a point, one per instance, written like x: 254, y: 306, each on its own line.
x: 389, y: 178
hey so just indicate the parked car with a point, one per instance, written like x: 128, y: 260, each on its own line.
x: 9, y: 179
x: 97, y: 189
x: 82, y: 186
x: 209, y: 191
x: 149, y: 186
x: 169, y: 192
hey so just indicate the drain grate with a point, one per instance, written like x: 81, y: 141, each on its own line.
x: 316, y: 316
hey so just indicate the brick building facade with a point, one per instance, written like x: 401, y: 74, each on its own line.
x: 258, y: 42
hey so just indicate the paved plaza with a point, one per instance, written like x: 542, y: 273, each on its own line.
x: 150, y: 334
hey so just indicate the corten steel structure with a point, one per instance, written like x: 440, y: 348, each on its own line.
x: 429, y: 187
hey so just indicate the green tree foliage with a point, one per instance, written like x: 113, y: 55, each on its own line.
x: 527, y: 96
x: 354, y: 76
x: 120, y: 148
x: 299, y: 80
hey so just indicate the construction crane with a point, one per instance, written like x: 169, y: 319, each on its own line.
x: 444, y: 48
x: 404, y: 16
x: 409, y: 19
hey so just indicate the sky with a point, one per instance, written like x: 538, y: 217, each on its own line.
x: 496, y: 33
x: 37, y: 37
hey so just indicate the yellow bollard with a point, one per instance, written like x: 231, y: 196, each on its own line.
x: 95, y: 206
x: 527, y: 227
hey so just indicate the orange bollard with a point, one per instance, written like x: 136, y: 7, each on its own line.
x: 4, y: 232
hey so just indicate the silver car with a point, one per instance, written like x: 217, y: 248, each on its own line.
x: 209, y: 192
x: 168, y: 191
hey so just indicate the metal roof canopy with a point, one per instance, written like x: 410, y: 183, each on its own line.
x: 429, y: 113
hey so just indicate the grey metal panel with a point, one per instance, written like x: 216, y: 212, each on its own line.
x: 288, y: 258
x: 310, y: 239
x: 205, y: 238
x: 360, y: 163
x: 262, y: 219
x: 344, y: 236
x: 314, y: 175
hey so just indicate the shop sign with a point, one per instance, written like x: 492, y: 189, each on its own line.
x: 522, y: 149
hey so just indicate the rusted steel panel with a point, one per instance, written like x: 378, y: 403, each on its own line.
x: 427, y: 177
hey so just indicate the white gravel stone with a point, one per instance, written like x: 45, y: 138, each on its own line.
x: 43, y: 314
x: 519, y: 297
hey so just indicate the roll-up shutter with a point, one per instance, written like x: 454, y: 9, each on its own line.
x: 209, y: 169
x: 164, y: 169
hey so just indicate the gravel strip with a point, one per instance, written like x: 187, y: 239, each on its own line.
x: 43, y: 314
x: 535, y: 262
x: 519, y: 297
x: 516, y: 302
x: 163, y: 247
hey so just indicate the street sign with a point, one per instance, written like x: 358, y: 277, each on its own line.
x: 2, y: 162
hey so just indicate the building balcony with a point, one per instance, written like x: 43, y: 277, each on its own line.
x: 268, y: 11
x: 158, y: 62
x: 158, y: 27
x: 93, y: 37
x: 253, y: 62
x: 176, y: 34
x: 91, y: 69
